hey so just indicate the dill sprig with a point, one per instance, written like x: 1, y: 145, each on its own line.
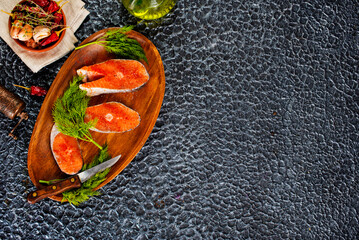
x: 69, y: 113
x: 86, y: 191
x: 117, y: 42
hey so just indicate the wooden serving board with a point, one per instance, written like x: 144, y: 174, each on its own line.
x: 146, y: 101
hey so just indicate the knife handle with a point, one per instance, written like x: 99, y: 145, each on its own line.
x: 54, y: 189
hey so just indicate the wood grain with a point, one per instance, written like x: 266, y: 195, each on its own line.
x: 146, y: 101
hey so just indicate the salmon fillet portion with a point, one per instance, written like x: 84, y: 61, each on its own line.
x: 112, y: 117
x: 113, y: 76
x: 66, y: 151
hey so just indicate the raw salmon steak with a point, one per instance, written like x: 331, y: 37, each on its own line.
x: 113, y: 76
x: 66, y: 151
x: 112, y: 117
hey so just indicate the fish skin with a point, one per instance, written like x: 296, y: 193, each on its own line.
x: 74, y: 163
x: 112, y: 117
x: 113, y: 76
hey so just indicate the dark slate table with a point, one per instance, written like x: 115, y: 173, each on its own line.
x: 257, y: 137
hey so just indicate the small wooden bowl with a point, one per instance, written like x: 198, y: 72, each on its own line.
x: 48, y: 47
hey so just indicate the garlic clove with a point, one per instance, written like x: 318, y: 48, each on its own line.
x: 31, y: 43
x: 15, y: 29
x: 41, y: 32
x: 25, y: 33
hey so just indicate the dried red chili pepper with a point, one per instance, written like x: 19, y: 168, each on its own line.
x: 38, y: 91
x: 42, y: 3
x: 52, y: 38
x: 58, y: 17
x: 34, y: 90
x: 53, y: 7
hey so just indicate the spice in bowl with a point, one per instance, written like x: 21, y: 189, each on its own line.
x: 37, y: 25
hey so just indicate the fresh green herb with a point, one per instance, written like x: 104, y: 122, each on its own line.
x: 83, y: 193
x: 86, y: 190
x: 117, y: 42
x: 69, y: 113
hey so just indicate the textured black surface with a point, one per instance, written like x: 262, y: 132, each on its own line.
x: 257, y: 137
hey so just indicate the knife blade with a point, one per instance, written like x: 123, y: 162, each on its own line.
x: 73, y: 182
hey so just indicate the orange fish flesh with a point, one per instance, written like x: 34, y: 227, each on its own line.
x: 112, y: 117
x: 66, y: 151
x: 113, y: 76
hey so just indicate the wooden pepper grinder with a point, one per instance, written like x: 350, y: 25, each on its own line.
x: 12, y: 106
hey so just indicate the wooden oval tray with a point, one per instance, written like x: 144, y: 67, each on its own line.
x: 146, y: 101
